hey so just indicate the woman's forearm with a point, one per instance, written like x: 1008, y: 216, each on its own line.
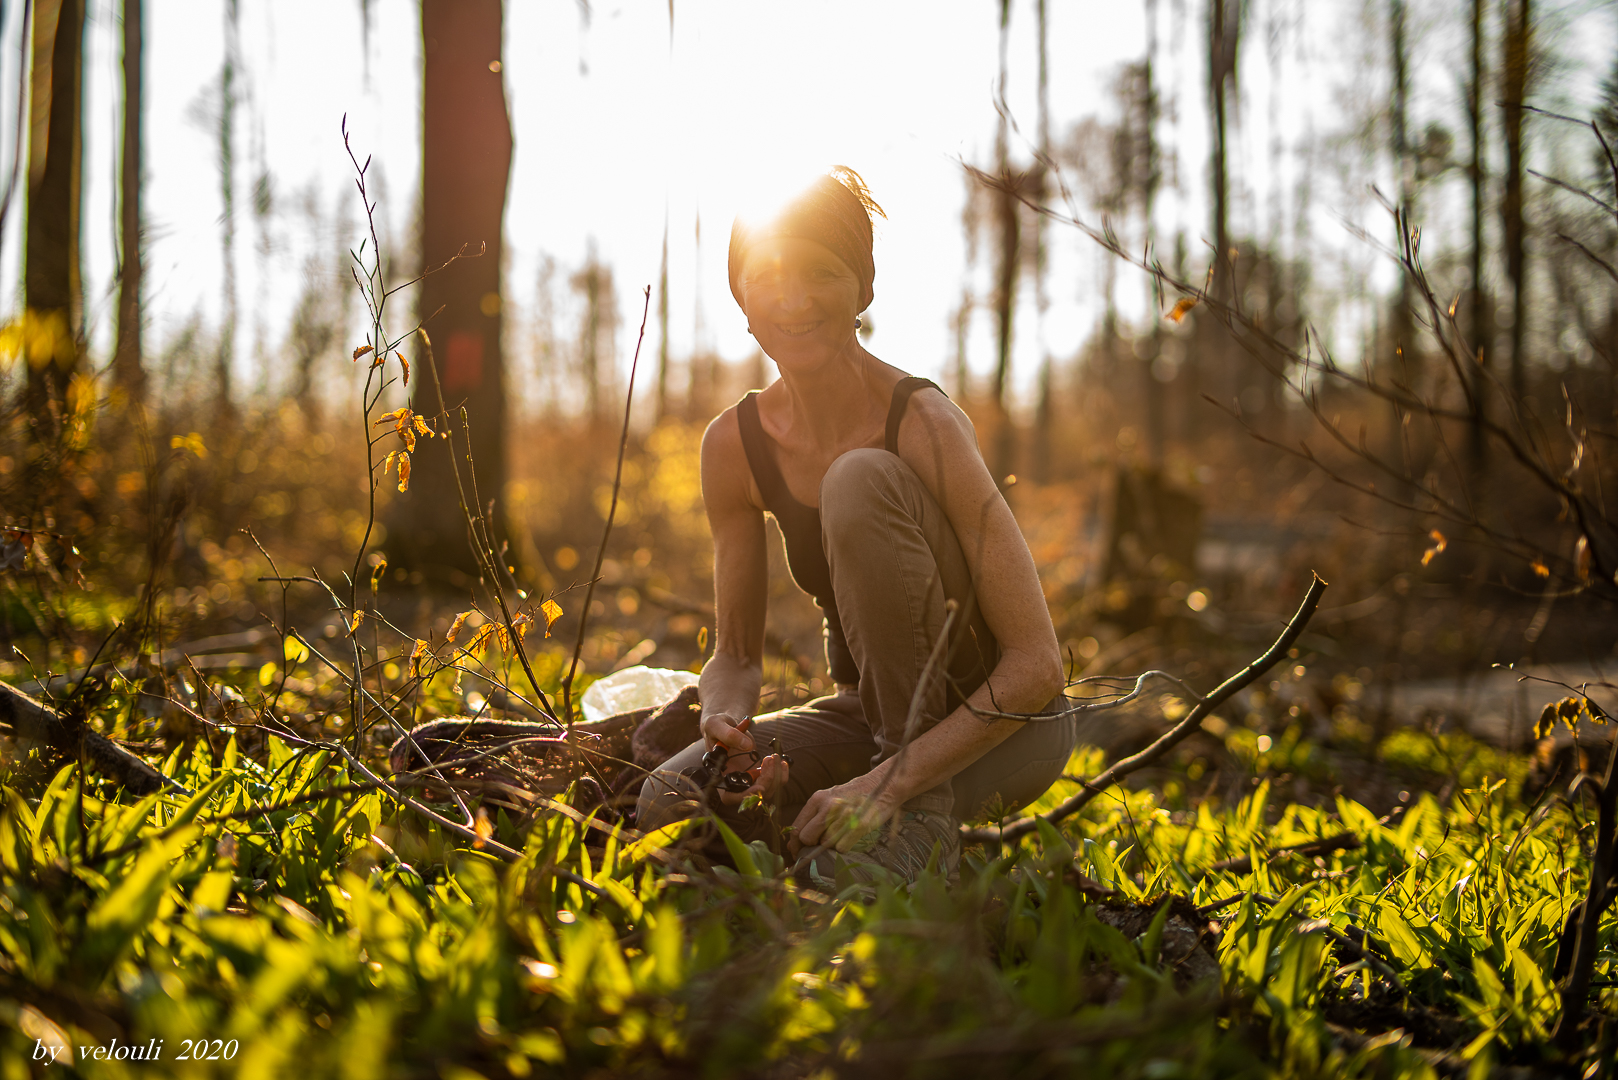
x: 1018, y: 684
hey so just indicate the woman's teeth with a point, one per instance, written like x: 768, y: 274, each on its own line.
x: 798, y: 329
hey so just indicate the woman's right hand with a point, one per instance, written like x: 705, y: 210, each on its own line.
x: 727, y: 731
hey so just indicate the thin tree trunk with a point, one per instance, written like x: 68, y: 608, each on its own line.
x: 1156, y: 433
x: 1224, y: 28
x: 1478, y: 322
x: 1042, y: 417
x: 1009, y: 232
x: 128, y: 363
x: 663, y: 323
x: 51, y: 287
x: 1405, y: 364
x: 466, y: 166
x: 225, y: 356
x: 1221, y: 365
x: 1514, y: 78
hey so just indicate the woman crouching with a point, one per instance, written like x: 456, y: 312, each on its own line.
x: 893, y: 524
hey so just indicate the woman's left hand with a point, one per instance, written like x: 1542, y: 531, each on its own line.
x: 840, y: 817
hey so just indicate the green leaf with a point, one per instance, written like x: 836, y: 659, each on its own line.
x: 1402, y: 939
x: 125, y: 912
x: 739, y: 851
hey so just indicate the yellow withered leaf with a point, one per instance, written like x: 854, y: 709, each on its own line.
x: 192, y: 442
x: 406, y: 365
x: 419, y: 653
x: 354, y: 621
x: 1185, y: 304
x: 480, y: 640
x: 455, y: 627
x: 1581, y: 558
x: 482, y: 828
x: 399, y: 418
x: 1439, y: 544
x: 361, y: 351
x: 1539, y: 567
x: 404, y: 471
x: 552, y: 611
x: 1546, y: 721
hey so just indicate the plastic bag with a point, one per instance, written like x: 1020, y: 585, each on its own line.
x: 637, y: 687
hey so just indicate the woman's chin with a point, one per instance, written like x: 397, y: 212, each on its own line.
x: 805, y: 354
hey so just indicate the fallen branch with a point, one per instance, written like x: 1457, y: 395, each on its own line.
x: 31, y: 719
x: 1177, y: 734
x: 1324, y: 846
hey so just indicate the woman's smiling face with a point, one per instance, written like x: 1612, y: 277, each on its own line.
x: 800, y: 299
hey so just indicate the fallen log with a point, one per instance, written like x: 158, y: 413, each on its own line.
x: 28, y: 718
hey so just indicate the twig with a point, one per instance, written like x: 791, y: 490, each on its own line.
x: 1192, y: 722
x: 1324, y: 846
x: 612, y: 509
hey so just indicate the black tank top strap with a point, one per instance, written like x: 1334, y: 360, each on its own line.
x: 766, y: 473
x: 896, y: 409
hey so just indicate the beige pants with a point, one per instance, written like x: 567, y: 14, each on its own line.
x: 895, y: 562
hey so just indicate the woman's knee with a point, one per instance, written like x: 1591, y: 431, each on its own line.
x: 859, y: 482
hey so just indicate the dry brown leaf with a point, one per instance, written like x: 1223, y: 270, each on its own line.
x: 1439, y: 544
x: 361, y: 351
x: 1186, y: 303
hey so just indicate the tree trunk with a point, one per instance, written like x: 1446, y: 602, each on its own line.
x: 1221, y: 365
x: 1224, y: 33
x: 1479, y: 325
x: 128, y: 363
x: 1008, y: 227
x: 1043, y: 416
x: 466, y: 165
x: 225, y: 356
x: 1152, y: 396
x: 1514, y: 80
x: 1402, y: 357
x: 663, y: 323
x: 51, y: 288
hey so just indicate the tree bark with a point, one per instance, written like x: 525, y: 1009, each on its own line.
x: 128, y: 363
x: 1514, y: 88
x: 1479, y: 325
x: 466, y: 165
x: 1008, y: 227
x: 51, y: 287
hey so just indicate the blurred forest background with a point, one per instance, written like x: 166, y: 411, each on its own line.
x: 172, y: 425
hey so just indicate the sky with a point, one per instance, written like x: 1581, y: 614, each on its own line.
x: 622, y: 124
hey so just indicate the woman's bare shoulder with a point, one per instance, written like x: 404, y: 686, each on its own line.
x: 931, y: 415
x: 726, y: 476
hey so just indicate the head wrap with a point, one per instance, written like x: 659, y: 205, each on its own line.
x: 833, y: 211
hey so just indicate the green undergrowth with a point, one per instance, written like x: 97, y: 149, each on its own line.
x: 338, y: 936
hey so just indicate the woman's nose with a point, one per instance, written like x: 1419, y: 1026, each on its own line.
x: 793, y: 297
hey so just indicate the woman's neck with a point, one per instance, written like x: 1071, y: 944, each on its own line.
x: 830, y: 406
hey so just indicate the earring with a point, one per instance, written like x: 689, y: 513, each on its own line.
x: 749, y: 330
x: 857, y: 323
